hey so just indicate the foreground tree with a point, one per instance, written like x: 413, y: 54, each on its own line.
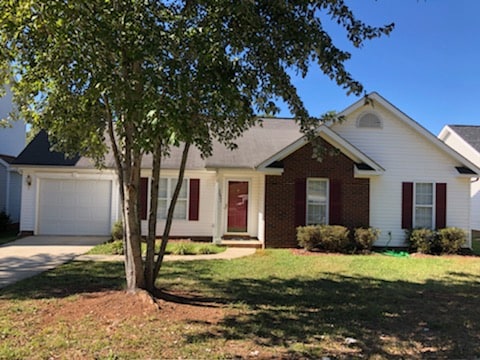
x: 147, y: 75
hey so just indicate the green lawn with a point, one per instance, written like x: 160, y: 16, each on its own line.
x: 273, y: 305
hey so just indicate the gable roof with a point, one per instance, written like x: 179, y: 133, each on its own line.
x: 260, y: 147
x: 469, y: 133
x: 375, y: 97
x: 363, y: 162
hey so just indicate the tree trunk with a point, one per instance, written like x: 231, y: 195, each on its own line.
x: 133, y: 253
x: 150, y: 274
x: 171, y: 209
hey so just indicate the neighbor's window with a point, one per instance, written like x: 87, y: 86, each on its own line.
x: 317, y: 201
x: 165, y: 194
x: 423, y: 217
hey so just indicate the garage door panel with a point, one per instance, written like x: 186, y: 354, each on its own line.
x: 74, y: 207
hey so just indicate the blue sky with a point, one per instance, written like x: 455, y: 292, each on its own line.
x: 429, y: 66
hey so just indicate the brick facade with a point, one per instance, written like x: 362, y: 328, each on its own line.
x: 280, y: 211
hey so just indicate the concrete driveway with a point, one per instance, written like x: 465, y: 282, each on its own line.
x: 34, y: 254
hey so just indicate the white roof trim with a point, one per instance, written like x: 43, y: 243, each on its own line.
x: 334, y: 139
x: 413, y: 124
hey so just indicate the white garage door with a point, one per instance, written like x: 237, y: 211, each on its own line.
x: 74, y: 207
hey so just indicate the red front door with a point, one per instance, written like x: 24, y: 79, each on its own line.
x: 237, y: 206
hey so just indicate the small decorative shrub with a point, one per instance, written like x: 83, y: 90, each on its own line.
x: 422, y: 240
x: 183, y: 248
x: 364, y: 238
x: 117, y: 230
x: 117, y: 247
x: 5, y: 221
x: 206, y: 249
x: 308, y: 237
x: 451, y: 240
x: 334, y: 238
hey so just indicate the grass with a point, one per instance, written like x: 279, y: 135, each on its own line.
x: 276, y: 305
x: 8, y: 236
x: 173, y: 248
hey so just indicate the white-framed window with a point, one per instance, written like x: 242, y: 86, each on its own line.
x: 317, y: 201
x: 165, y: 194
x: 423, y: 205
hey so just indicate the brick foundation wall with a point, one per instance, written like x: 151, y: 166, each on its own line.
x: 280, y: 194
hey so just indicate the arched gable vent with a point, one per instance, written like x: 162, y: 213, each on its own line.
x: 370, y: 121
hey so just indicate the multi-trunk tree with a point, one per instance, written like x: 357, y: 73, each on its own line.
x: 140, y: 76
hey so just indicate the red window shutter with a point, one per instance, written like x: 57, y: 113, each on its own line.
x: 335, y: 207
x: 194, y: 200
x: 300, y: 202
x: 440, y: 205
x: 143, y: 197
x: 407, y: 205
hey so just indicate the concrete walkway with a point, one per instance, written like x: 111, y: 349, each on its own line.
x: 32, y: 255
x: 29, y: 256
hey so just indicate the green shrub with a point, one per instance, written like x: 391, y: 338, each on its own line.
x: 422, y: 240
x: 308, y: 237
x: 117, y: 230
x: 5, y: 221
x: 117, y: 247
x: 207, y: 249
x: 364, y: 238
x: 451, y: 240
x: 334, y: 238
x: 183, y: 248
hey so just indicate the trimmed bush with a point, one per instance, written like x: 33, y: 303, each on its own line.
x: 117, y: 230
x: 364, y: 238
x: 332, y: 238
x: 451, y: 240
x: 422, y: 240
x: 308, y: 237
x: 444, y: 241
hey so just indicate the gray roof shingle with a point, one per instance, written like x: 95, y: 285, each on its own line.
x: 38, y: 152
x: 469, y: 133
x: 257, y: 144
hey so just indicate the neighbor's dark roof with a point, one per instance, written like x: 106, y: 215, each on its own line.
x: 38, y: 152
x: 7, y: 158
x: 257, y: 144
x: 469, y: 133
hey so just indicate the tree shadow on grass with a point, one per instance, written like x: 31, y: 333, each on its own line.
x: 343, y: 316
x: 75, y: 277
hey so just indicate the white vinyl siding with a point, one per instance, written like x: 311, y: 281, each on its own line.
x: 405, y: 155
x: 165, y: 194
x: 317, y: 201
x: 423, y: 205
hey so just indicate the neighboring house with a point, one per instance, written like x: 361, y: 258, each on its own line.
x: 465, y: 139
x: 384, y: 170
x: 12, y: 141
